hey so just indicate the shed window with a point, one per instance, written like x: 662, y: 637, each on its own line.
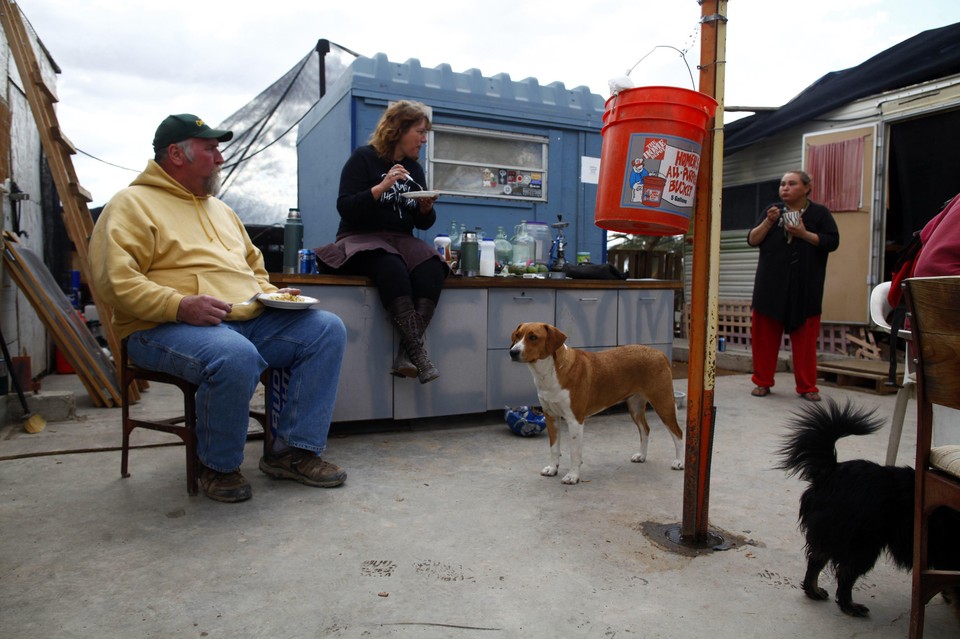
x: 837, y: 172
x: 464, y: 161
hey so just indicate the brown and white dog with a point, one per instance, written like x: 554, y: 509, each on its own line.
x: 574, y: 384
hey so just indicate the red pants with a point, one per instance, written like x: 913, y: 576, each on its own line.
x: 766, y: 335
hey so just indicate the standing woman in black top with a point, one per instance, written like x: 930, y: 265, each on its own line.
x: 375, y: 237
x: 795, y: 236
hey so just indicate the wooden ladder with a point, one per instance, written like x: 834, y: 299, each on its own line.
x: 58, y: 149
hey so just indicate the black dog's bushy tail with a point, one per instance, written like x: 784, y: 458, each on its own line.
x: 810, y: 449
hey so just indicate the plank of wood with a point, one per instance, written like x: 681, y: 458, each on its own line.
x: 856, y: 366
x: 868, y: 373
x: 94, y: 368
x: 868, y: 346
x: 74, y: 198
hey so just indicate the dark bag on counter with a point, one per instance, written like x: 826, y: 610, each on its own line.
x: 593, y: 272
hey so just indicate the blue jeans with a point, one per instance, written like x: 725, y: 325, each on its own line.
x: 226, y: 362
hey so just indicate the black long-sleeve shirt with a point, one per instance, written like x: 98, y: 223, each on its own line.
x: 361, y: 213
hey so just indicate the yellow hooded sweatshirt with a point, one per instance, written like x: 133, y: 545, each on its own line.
x: 155, y: 243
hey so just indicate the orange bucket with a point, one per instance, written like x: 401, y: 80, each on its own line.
x: 650, y: 159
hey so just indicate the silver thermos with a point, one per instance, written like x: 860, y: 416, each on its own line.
x: 292, y: 241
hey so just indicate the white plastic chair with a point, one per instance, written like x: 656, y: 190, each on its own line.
x: 879, y: 309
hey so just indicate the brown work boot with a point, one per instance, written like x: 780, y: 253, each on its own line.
x: 402, y: 366
x: 302, y: 466
x: 411, y: 326
x: 227, y: 487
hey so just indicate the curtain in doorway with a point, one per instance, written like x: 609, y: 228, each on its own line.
x: 837, y: 172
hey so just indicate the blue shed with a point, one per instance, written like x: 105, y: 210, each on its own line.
x: 500, y: 152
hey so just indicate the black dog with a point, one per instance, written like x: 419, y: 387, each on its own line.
x: 854, y: 510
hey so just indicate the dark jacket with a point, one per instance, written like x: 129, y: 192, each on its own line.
x: 361, y: 213
x: 788, y: 286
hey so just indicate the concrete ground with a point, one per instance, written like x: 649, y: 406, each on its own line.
x: 445, y: 528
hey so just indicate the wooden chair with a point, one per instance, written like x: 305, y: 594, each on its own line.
x: 934, y: 307
x: 183, y: 426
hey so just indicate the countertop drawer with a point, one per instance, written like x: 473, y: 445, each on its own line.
x: 587, y: 317
x: 645, y: 317
x: 511, y: 307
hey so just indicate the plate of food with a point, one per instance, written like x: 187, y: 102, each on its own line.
x: 286, y: 300
x: 419, y: 195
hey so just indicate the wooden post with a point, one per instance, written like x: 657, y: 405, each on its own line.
x: 705, y: 283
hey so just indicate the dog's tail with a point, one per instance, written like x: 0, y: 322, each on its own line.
x: 810, y: 448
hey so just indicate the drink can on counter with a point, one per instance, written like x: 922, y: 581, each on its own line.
x: 307, y: 261
x: 721, y: 344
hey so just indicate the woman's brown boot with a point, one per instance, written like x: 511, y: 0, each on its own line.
x: 402, y: 366
x: 411, y: 326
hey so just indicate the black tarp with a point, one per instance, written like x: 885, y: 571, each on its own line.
x: 927, y: 56
x: 260, y: 162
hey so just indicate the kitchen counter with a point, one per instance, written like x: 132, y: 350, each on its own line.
x: 456, y: 281
x: 469, y: 337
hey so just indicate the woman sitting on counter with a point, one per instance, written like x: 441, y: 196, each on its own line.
x: 378, y: 212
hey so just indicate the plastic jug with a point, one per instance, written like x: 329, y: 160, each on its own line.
x: 488, y: 257
x: 542, y: 239
x: 524, y: 248
x: 442, y: 243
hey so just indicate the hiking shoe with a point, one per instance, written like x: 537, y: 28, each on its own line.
x: 302, y: 466
x: 226, y: 487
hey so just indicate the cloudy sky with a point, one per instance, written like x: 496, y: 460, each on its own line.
x: 126, y: 64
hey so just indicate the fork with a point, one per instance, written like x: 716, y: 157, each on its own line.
x: 246, y: 303
x: 417, y: 184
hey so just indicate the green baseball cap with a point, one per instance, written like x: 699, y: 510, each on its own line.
x: 177, y: 128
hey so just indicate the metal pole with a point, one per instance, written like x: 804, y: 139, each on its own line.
x: 705, y: 283
x: 323, y: 48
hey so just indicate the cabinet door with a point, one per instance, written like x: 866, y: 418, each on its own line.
x: 366, y: 387
x: 456, y: 342
x: 645, y: 317
x: 588, y: 317
x: 509, y: 383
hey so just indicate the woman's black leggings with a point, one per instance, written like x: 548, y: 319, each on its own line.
x: 389, y: 273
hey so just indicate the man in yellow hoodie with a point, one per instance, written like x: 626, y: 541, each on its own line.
x: 173, y: 260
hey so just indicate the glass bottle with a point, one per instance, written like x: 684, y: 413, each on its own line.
x: 523, y: 245
x: 504, y: 249
x: 455, y: 238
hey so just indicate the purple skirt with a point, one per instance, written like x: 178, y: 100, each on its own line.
x: 412, y: 250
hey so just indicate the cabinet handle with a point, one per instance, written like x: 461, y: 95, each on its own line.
x: 589, y: 299
x: 523, y: 299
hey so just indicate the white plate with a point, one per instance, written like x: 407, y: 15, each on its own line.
x: 417, y: 195
x: 269, y: 299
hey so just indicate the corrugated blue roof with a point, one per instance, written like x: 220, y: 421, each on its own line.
x: 497, y: 96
